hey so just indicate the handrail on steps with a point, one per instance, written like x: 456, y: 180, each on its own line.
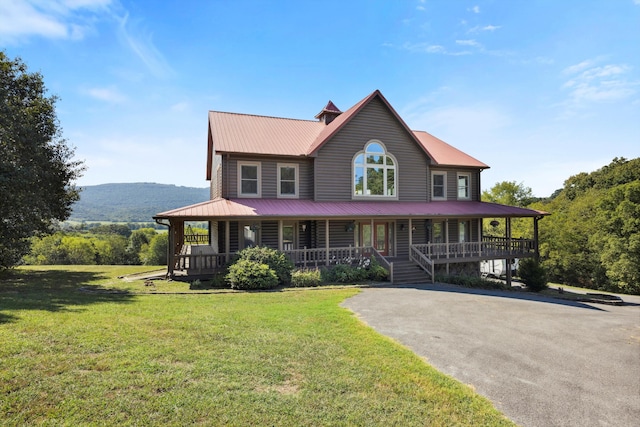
x: 422, y: 261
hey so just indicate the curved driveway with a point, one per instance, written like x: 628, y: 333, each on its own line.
x: 541, y: 361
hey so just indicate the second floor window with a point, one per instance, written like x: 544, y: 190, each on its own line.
x: 464, y: 181
x: 374, y: 172
x: 249, y: 179
x: 287, y: 180
x: 439, y: 185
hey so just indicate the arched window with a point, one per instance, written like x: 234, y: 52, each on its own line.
x: 374, y: 172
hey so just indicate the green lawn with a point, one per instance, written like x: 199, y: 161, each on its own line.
x: 71, y: 357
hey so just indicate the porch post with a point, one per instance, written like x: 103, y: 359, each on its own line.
x: 326, y: 239
x: 536, y: 248
x: 280, y: 235
x: 446, y: 239
x: 227, y: 240
x: 410, y: 233
x: 508, y: 260
x: 480, y: 235
x: 171, y: 257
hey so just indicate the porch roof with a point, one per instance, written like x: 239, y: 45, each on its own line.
x: 287, y: 208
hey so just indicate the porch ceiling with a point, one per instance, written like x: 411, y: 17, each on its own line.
x: 287, y: 208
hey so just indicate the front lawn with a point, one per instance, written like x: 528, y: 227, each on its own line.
x: 77, y: 357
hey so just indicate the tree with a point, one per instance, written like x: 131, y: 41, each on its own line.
x: 37, y: 169
x: 512, y: 194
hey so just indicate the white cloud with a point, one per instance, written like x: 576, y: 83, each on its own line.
x: 590, y: 82
x: 142, y: 45
x: 479, y: 28
x: 107, y: 94
x: 474, y: 9
x: 58, y: 19
x: 468, y: 43
x: 432, y: 49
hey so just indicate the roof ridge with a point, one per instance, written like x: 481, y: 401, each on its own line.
x: 263, y: 116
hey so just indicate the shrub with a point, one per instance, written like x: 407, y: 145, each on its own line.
x: 532, y: 274
x: 344, y: 273
x: 377, y: 272
x: 471, y: 282
x: 305, y: 278
x: 276, y: 260
x: 247, y: 274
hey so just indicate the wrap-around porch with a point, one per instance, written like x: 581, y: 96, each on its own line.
x: 310, y: 243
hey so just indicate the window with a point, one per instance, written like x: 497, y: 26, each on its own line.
x: 249, y: 179
x: 374, y: 172
x: 464, y: 181
x: 288, y: 237
x: 462, y: 231
x: 287, y: 180
x: 439, y: 185
x: 438, y: 232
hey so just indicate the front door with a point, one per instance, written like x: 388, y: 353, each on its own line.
x: 381, y: 237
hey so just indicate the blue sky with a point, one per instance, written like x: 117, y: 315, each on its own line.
x: 539, y: 90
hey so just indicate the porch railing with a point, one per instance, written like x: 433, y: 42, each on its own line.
x: 318, y: 257
x: 200, y: 262
x: 490, y: 247
x: 419, y: 258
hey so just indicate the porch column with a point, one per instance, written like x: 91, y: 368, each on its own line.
x: 171, y: 257
x: 446, y: 239
x: 480, y: 235
x: 410, y: 234
x: 326, y: 239
x: 536, y: 248
x: 508, y: 260
x: 280, y: 235
x: 227, y: 240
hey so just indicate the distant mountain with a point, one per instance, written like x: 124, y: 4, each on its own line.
x: 133, y: 202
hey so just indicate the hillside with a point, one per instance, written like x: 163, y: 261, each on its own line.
x: 133, y: 202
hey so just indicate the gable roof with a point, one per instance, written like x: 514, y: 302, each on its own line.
x: 329, y: 108
x: 444, y: 154
x: 264, y: 135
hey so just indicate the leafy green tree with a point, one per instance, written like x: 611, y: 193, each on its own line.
x: 37, y: 169
x: 156, y: 253
x: 512, y: 194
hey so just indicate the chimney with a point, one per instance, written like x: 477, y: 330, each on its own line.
x: 328, y: 113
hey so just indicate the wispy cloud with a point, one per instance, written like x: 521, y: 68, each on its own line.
x: 589, y: 82
x: 432, y: 49
x: 474, y: 9
x: 468, y: 43
x: 107, y: 94
x: 56, y: 19
x: 479, y: 28
x: 142, y: 45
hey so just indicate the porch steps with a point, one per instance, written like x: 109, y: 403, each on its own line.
x: 405, y: 272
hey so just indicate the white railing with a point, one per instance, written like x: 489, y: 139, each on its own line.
x: 322, y: 256
x: 422, y: 261
x: 489, y: 247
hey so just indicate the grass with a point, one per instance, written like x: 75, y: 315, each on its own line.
x: 272, y: 358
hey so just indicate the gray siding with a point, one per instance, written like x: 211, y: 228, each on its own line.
x: 269, y: 177
x: 269, y: 234
x: 333, y: 167
x: 452, y: 182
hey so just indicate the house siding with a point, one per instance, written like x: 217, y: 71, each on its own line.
x: 452, y: 182
x: 333, y: 165
x: 269, y: 175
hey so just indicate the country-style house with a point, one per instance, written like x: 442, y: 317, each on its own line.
x: 347, y: 185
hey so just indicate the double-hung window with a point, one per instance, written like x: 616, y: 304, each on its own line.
x: 464, y: 184
x: 249, y: 179
x: 439, y: 185
x: 287, y: 180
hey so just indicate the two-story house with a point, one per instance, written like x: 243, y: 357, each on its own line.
x: 347, y: 184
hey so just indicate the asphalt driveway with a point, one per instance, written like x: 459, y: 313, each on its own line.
x: 541, y: 361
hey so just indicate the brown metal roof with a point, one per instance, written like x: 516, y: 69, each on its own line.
x: 329, y: 108
x: 251, y: 134
x: 444, y: 154
x: 281, y: 208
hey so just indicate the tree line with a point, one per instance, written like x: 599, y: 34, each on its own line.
x: 108, y: 244
x: 592, y: 237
